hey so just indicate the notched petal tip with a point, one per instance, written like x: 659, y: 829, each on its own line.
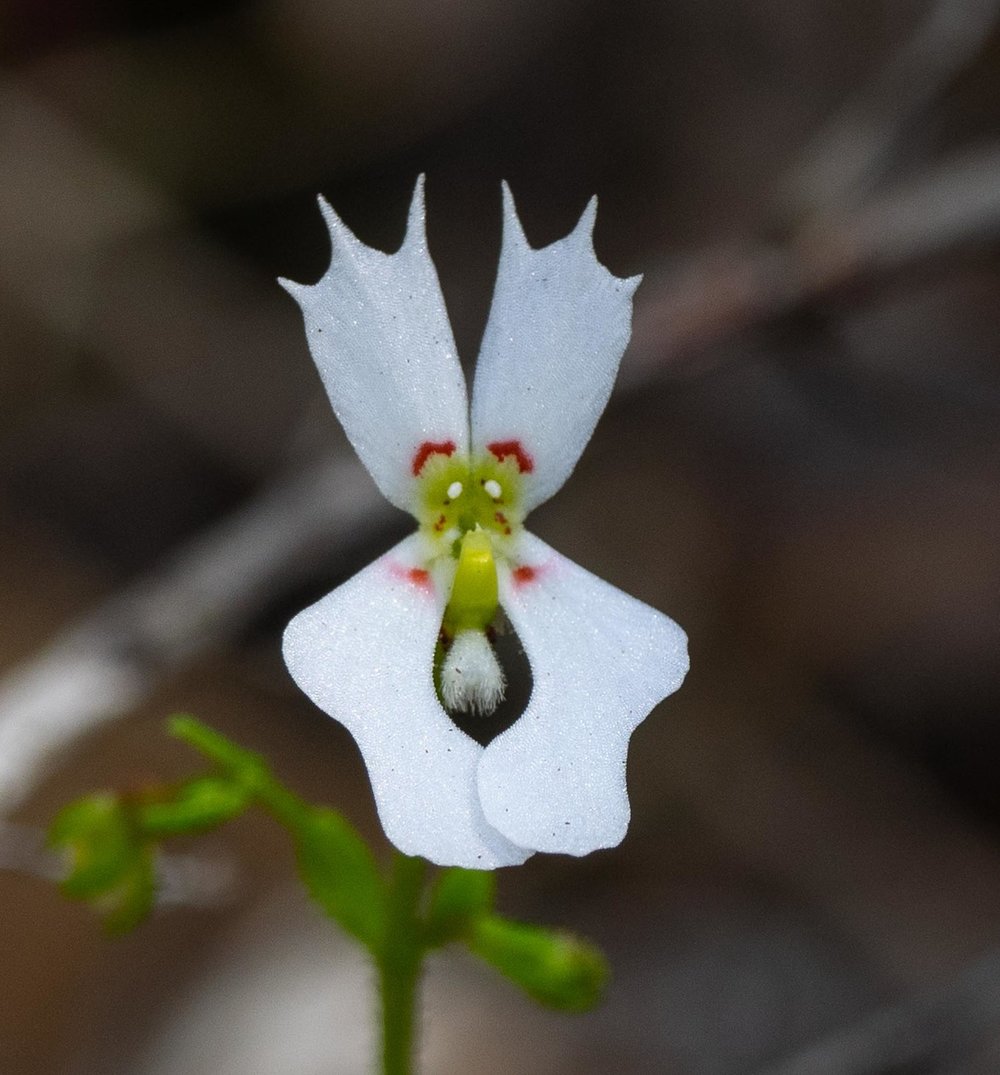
x: 293, y: 287
x: 416, y: 221
x: 583, y: 237
x: 329, y: 213
x: 630, y: 283
x: 584, y: 230
x: 341, y: 236
x: 561, y: 302
x: 513, y: 233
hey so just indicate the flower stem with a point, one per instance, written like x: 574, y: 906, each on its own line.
x: 399, y: 963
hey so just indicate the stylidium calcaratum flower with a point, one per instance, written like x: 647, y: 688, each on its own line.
x: 409, y: 638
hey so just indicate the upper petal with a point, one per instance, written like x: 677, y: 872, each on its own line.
x: 600, y: 660
x: 557, y: 330
x: 380, y: 337
x: 364, y: 654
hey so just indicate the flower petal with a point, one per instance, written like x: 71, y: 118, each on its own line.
x: 557, y: 330
x: 364, y: 654
x: 380, y: 337
x: 600, y: 660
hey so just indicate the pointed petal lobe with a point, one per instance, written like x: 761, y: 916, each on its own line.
x: 364, y: 654
x: 600, y: 660
x: 380, y: 337
x: 557, y: 330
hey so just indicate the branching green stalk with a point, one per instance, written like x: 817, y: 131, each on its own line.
x: 111, y: 841
x: 399, y: 960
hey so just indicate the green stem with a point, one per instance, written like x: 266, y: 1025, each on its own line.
x: 399, y: 963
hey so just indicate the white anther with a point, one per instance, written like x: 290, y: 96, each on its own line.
x: 454, y: 490
x: 493, y: 489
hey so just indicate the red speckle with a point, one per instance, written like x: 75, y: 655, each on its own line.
x: 502, y: 520
x: 524, y: 574
x: 439, y: 525
x: 502, y: 448
x: 429, y: 448
x: 415, y: 576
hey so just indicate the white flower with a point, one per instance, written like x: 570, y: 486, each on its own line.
x: 381, y: 652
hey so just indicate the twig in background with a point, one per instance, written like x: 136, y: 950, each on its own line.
x: 854, y: 150
x: 716, y: 295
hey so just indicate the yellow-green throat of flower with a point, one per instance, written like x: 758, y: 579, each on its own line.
x: 470, y: 510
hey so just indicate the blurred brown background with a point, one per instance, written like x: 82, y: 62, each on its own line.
x: 802, y: 462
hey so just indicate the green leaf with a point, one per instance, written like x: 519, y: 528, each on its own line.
x: 555, y: 968
x: 198, y: 805
x: 334, y: 862
x: 241, y: 765
x: 458, y: 897
x: 244, y: 768
x: 340, y: 873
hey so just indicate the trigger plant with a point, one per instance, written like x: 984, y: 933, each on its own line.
x: 407, y: 644
x: 407, y: 641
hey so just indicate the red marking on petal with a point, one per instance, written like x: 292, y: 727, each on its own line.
x: 500, y: 518
x: 502, y: 448
x: 524, y: 574
x: 429, y: 448
x: 415, y: 576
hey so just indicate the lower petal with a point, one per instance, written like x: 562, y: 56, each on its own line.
x: 364, y: 654
x: 600, y: 660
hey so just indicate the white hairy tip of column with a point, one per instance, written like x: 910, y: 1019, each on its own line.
x: 472, y: 680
